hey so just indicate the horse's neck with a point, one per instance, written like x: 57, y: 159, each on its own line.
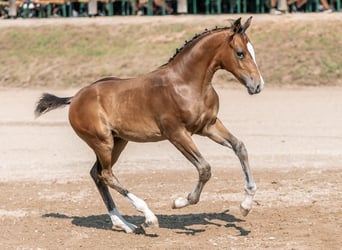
x: 196, y: 64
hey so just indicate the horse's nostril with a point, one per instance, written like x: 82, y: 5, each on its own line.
x: 257, y: 89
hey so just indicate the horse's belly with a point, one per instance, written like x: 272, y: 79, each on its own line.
x: 140, y: 137
x: 138, y: 133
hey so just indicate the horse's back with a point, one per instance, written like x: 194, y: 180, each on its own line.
x: 121, y: 106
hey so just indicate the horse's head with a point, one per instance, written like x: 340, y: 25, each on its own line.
x: 239, y: 58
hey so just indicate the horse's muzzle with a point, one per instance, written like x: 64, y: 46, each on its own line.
x: 254, y: 89
x: 253, y: 86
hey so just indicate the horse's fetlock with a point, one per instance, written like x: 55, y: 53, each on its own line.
x: 193, y: 199
x: 251, y: 189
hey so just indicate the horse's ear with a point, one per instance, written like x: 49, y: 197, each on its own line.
x: 246, y: 24
x: 237, y: 25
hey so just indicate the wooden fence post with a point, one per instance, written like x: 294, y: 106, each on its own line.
x: 182, y: 6
x: 282, y: 5
x: 12, y: 10
x: 92, y: 7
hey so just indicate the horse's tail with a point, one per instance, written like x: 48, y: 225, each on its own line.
x: 49, y: 102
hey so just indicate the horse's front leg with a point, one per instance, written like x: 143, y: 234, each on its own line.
x: 183, y: 142
x: 218, y: 133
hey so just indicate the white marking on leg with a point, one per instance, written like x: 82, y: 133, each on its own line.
x: 251, y: 51
x: 119, y: 222
x: 180, y: 202
x: 141, y: 206
x: 246, y: 204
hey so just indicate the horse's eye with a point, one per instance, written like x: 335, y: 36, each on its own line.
x: 240, y: 54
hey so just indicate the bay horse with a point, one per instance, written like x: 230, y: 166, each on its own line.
x: 171, y: 103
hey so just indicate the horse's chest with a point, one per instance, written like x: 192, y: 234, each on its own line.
x: 200, y: 119
x: 200, y: 115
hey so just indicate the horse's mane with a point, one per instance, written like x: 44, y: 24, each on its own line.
x: 195, y: 38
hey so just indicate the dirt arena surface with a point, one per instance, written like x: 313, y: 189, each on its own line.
x: 293, y: 136
x: 294, y: 139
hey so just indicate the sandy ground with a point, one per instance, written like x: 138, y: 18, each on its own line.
x: 294, y: 139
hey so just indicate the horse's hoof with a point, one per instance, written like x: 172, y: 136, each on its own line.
x: 151, y: 224
x: 148, y: 228
x: 130, y: 228
x: 180, y: 202
x: 244, y: 211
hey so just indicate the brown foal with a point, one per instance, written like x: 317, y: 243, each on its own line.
x: 171, y: 103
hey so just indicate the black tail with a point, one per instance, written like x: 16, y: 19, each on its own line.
x: 50, y: 102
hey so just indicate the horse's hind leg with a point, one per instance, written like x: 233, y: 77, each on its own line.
x: 114, y: 214
x: 139, y: 204
x: 108, y: 178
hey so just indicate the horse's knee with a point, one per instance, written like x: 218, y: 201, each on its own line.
x: 205, y: 173
x: 240, y: 149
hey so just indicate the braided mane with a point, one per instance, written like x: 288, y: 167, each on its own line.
x: 195, y: 37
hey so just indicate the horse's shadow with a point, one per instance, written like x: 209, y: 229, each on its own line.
x: 184, y: 223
